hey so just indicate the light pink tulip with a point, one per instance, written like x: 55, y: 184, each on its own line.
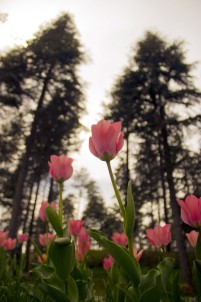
x: 106, y: 140
x: 191, y: 210
x: 192, y: 237
x: 120, y: 238
x: 60, y: 167
x: 137, y: 254
x: 84, y: 240
x: 3, y: 237
x: 44, y: 256
x: 75, y: 226
x: 160, y: 236
x: 23, y: 237
x: 46, y: 239
x: 108, y: 262
x: 9, y: 244
x: 42, y: 211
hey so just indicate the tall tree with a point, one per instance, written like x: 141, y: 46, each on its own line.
x: 50, y: 78
x: 153, y: 91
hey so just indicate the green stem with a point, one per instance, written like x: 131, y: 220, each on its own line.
x: 122, y: 209
x: 60, y: 202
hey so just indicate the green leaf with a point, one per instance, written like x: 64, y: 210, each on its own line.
x: 166, y: 268
x: 197, y: 275
x: 132, y: 295
x: 54, y: 289
x: 43, y: 271
x: 128, y: 264
x: 129, y: 221
x: 198, y: 247
x: 63, y: 258
x: 72, y: 290
x: 53, y: 218
x: 150, y: 287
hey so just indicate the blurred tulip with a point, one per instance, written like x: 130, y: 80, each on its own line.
x: 84, y: 240
x: 44, y: 256
x: 42, y: 211
x: 120, y: 238
x: 191, y: 210
x: 10, y: 244
x: 60, y: 167
x: 23, y: 237
x: 75, y: 226
x: 159, y: 236
x: 3, y: 237
x: 137, y: 254
x: 106, y: 140
x: 192, y: 237
x: 108, y: 262
x: 46, y: 239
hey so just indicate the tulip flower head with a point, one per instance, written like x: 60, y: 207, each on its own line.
x: 3, y: 237
x: 23, y: 237
x: 42, y: 211
x: 75, y: 226
x: 84, y: 240
x: 44, y: 258
x: 137, y: 254
x: 108, y: 262
x: 46, y: 238
x: 120, y: 238
x: 192, y: 238
x: 191, y: 210
x: 106, y: 140
x: 60, y: 167
x: 160, y: 236
x: 9, y: 244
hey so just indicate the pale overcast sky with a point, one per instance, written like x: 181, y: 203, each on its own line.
x: 108, y: 29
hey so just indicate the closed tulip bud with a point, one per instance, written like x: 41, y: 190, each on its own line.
x: 60, y: 167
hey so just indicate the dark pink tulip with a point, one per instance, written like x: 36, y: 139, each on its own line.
x: 60, y: 167
x: 108, y: 262
x: 3, y: 237
x: 191, y: 210
x: 106, y: 140
x: 9, y: 244
x: 137, y: 254
x: 120, y: 238
x: 159, y: 236
x: 46, y: 239
x: 42, y: 211
x: 75, y: 226
x: 23, y: 237
x: 192, y: 237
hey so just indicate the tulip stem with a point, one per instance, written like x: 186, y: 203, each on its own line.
x: 60, y: 202
x: 122, y: 209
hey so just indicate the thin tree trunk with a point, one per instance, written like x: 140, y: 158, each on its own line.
x: 177, y: 227
x: 18, y: 196
x: 27, y: 208
x: 31, y: 227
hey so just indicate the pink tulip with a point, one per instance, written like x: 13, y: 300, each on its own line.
x: 42, y: 211
x: 191, y: 210
x: 137, y: 254
x: 3, y: 237
x: 23, y: 237
x: 9, y: 244
x: 80, y: 254
x: 60, y: 167
x: 75, y: 226
x: 106, y: 140
x: 120, y: 238
x: 108, y: 262
x: 44, y: 258
x: 159, y: 236
x: 84, y: 240
x: 46, y: 239
x: 192, y: 237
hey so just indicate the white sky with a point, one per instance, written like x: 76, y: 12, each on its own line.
x: 108, y: 29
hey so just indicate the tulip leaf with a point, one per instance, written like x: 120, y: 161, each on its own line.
x: 54, y: 290
x: 129, y: 212
x: 43, y: 271
x: 53, y: 218
x: 151, y: 287
x: 63, y: 258
x: 128, y: 264
x: 72, y: 290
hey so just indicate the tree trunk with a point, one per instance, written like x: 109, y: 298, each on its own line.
x: 18, y: 196
x: 177, y: 226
